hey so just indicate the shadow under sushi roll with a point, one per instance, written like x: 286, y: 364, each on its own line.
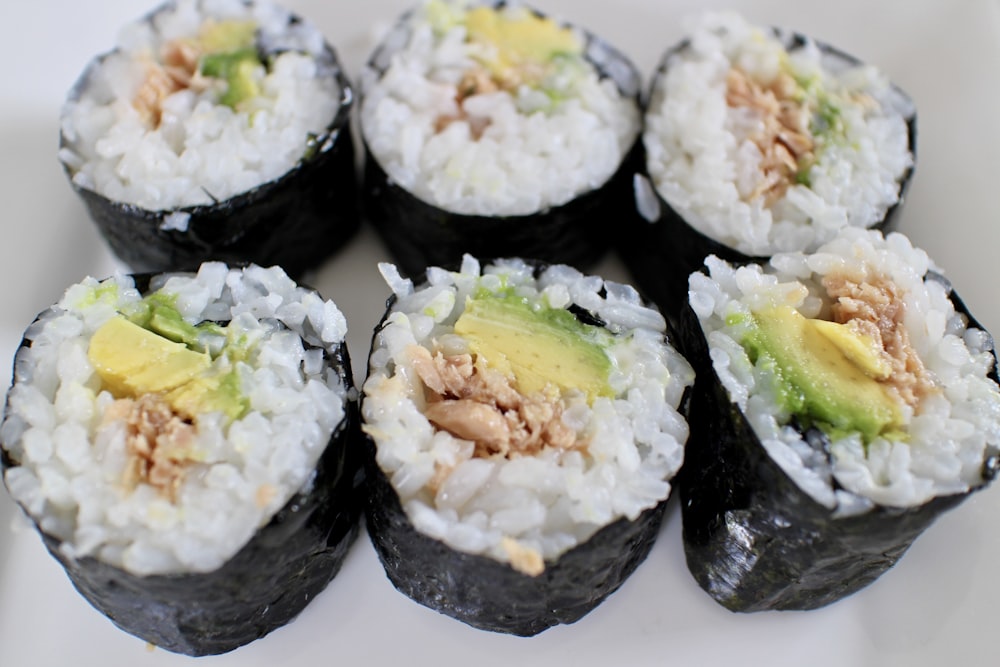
x: 195, y: 545
x: 787, y: 511
x: 170, y: 186
x: 497, y: 173
x: 741, y: 158
x: 505, y: 499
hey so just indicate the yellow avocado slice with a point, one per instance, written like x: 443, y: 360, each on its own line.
x: 539, y: 348
x: 132, y: 361
x: 526, y: 38
x: 817, y: 378
x: 862, y: 350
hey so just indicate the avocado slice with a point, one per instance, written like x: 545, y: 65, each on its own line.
x: 231, y: 35
x: 538, y: 346
x: 520, y: 39
x: 823, y: 372
x: 132, y: 361
x: 238, y: 68
x: 158, y: 313
x: 216, y: 393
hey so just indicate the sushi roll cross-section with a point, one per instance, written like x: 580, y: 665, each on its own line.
x: 524, y: 432
x: 845, y: 398
x: 183, y: 444
x: 760, y: 140
x: 215, y: 130
x: 493, y: 129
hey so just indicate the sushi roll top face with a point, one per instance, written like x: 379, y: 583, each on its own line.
x: 855, y: 370
x: 517, y: 412
x: 791, y: 140
x: 460, y: 91
x: 158, y: 428
x: 200, y: 101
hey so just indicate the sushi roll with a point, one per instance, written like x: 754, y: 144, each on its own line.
x: 524, y: 428
x: 492, y: 129
x: 844, y: 400
x: 183, y: 444
x: 215, y: 130
x: 759, y: 141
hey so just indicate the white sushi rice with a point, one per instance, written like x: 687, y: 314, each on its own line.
x: 704, y: 163
x: 72, y: 462
x: 202, y: 151
x: 533, y: 154
x: 950, y: 431
x: 547, y: 503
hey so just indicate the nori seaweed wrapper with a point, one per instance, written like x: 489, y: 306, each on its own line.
x: 661, y: 249
x: 756, y: 541
x: 490, y: 595
x: 295, y: 221
x: 420, y: 234
x: 265, y: 585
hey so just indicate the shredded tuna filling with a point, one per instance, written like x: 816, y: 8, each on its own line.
x: 157, y: 443
x: 474, y: 402
x: 178, y: 72
x: 784, y: 140
x: 875, y: 308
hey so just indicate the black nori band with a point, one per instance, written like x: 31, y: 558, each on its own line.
x: 753, y: 539
x: 662, y: 253
x: 490, y: 595
x: 295, y: 221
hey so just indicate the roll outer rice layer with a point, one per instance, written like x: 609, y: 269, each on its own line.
x: 777, y: 516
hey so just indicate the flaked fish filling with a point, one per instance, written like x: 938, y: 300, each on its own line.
x: 874, y: 307
x: 158, y: 443
x: 474, y: 402
x: 785, y: 143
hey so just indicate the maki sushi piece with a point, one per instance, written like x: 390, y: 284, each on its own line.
x: 183, y: 444
x: 524, y: 431
x: 215, y: 130
x: 492, y: 129
x: 757, y: 141
x: 844, y: 400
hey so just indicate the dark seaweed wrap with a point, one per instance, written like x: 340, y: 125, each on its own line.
x: 420, y: 234
x: 490, y: 595
x: 753, y: 539
x: 265, y: 585
x: 661, y: 249
x: 295, y: 221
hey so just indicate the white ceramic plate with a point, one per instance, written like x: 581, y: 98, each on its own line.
x: 935, y: 607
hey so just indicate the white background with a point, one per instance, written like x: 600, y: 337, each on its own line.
x: 935, y: 607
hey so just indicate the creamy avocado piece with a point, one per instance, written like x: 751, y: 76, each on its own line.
x: 158, y: 313
x: 521, y: 39
x: 132, y: 361
x: 223, y: 36
x: 539, y: 347
x: 823, y: 372
x: 862, y: 350
x: 230, y: 53
x: 216, y: 393
x: 238, y: 69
